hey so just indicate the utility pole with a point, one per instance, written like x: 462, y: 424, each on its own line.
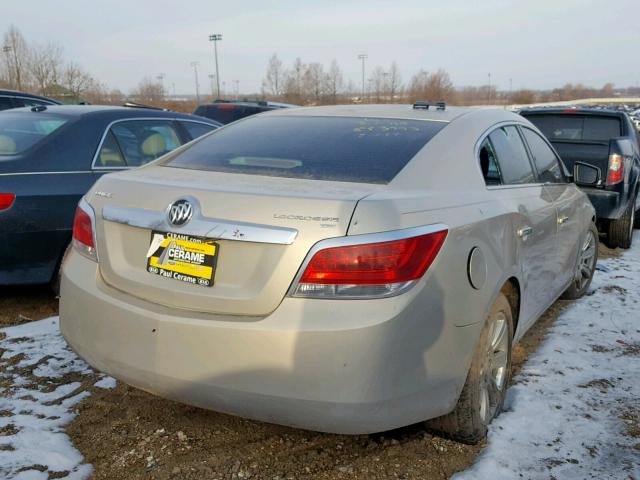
x: 195, y: 71
x: 215, y: 38
x: 363, y: 57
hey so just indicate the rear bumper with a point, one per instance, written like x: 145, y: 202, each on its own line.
x: 608, y: 204
x: 345, y: 366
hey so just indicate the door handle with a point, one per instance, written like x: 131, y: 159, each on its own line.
x: 524, y: 232
x: 562, y: 219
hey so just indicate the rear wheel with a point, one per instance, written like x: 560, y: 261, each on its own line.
x: 621, y: 230
x: 484, y: 391
x: 57, y: 276
x: 585, y: 265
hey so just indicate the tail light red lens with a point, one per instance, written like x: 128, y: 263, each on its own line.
x: 615, y: 173
x: 82, y: 228
x: 83, y: 234
x: 6, y: 200
x: 384, y: 264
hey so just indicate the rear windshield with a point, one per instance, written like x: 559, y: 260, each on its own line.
x: 18, y: 131
x: 577, y: 127
x: 364, y: 150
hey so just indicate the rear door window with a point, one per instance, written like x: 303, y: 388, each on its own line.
x: 142, y: 141
x: 544, y: 158
x: 364, y: 150
x: 572, y: 126
x: 489, y: 163
x: 512, y: 156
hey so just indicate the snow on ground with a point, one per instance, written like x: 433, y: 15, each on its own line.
x: 41, y: 381
x: 573, y: 412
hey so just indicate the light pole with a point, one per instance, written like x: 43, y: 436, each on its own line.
x: 363, y: 57
x: 160, y: 78
x: 195, y: 71
x: 215, y: 38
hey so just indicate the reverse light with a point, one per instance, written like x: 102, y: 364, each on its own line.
x: 6, y: 200
x: 615, y: 174
x: 370, y: 269
x: 83, y: 231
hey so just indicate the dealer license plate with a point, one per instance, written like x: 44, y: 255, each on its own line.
x: 183, y: 257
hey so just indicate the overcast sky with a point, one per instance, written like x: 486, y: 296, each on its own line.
x: 539, y: 43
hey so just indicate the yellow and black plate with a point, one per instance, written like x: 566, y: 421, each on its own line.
x: 183, y: 257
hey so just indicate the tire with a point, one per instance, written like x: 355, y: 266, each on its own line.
x: 621, y: 230
x: 57, y: 275
x: 476, y: 407
x: 585, y: 267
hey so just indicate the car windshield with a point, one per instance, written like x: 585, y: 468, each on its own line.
x: 577, y: 127
x: 364, y: 150
x: 20, y: 131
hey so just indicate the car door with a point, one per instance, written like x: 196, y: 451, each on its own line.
x: 566, y: 199
x: 533, y: 221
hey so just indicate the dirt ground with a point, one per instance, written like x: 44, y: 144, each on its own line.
x: 128, y: 434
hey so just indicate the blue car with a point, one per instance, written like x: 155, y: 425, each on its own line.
x: 49, y: 158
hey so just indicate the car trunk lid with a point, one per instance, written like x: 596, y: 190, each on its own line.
x: 263, y: 227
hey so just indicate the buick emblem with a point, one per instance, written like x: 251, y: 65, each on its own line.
x: 180, y: 212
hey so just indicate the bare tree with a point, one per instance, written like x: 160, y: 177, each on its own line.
x: 45, y: 65
x: 313, y: 82
x: 395, y: 81
x: 149, y: 91
x: 16, y: 56
x: 379, y: 83
x: 76, y: 80
x: 335, y: 82
x: 435, y: 86
x: 273, y: 82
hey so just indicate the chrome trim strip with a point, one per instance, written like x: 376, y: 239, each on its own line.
x: 364, y: 238
x: 133, y: 119
x: 45, y: 173
x: 200, y: 225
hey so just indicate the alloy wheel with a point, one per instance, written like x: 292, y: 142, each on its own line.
x: 494, y: 371
x: 586, y: 261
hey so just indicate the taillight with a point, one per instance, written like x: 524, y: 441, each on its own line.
x: 369, y: 270
x: 615, y: 173
x: 83, y: 234
x: 6, y: 200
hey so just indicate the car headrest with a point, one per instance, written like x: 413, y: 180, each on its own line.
x: 7, y: 145
x: 154, y: 145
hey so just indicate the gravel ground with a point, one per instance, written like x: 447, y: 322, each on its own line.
x: 128, y: 434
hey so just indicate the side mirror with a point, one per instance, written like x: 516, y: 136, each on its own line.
x: 586, y: 175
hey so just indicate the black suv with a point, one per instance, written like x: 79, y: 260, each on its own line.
x: 225, y: 111
x: 607, y: 140
x: 13, y: 99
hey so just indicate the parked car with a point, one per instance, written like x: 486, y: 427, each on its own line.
x: 607, y: 140
x: 50, y: 156
x: 224, y: 111
x: 14, y: 99
x: 347, y: 269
